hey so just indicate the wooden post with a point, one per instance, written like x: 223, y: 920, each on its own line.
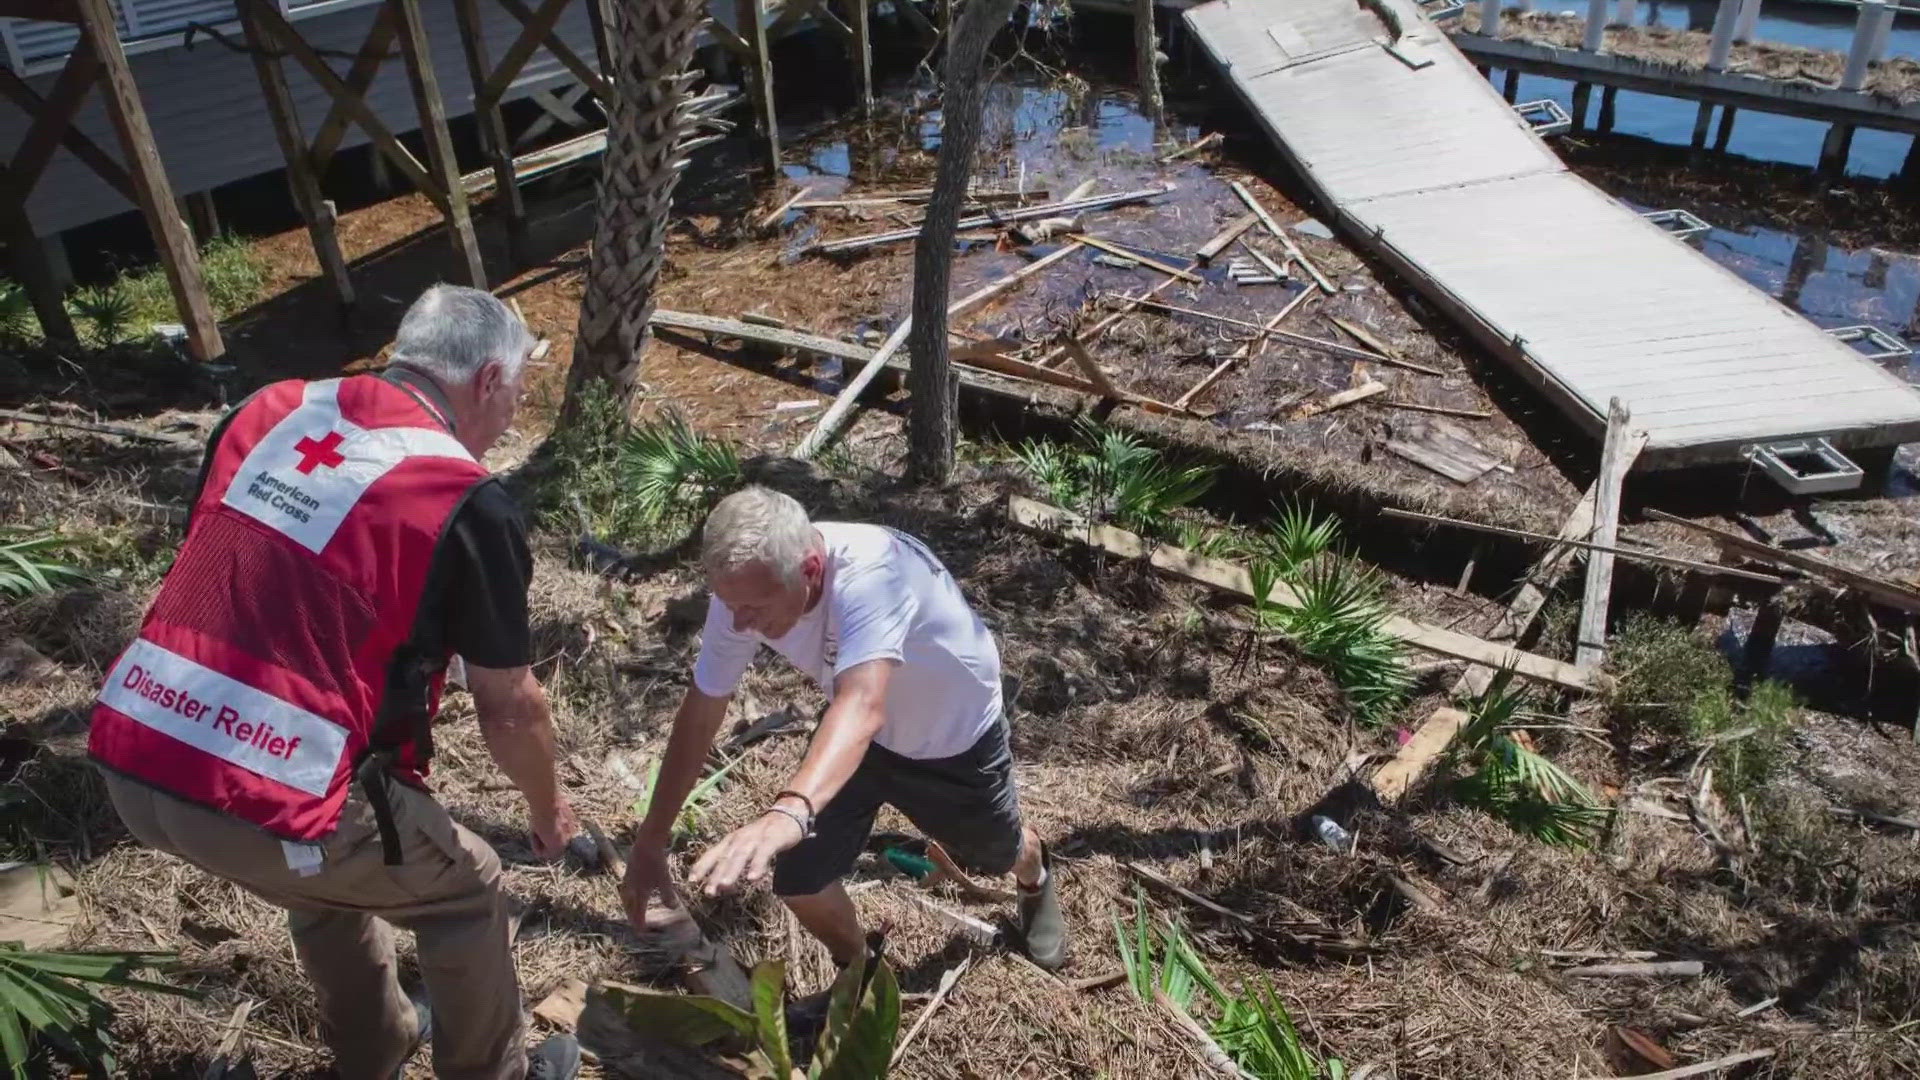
x: 493, y: 130
x: 1725, y: 134
x: 1757, y: 653
x: 1702, y: 121
x: 433, y: 128
x: 861, y: 12
x: 300, y: 173
x: 1608, y: 95
x: 202, y: 216
x: 1615, y: 459
x: 1835, y: 150
x: 753, y: 30
x: 1582, y: 98
x: 1490, y: 18
x: 178, y: 256
x: 33, y: 269
x: 1511, y: 90
x: 1596, y: 30
x: 1721, y: 45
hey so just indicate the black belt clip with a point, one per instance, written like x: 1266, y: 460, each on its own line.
x: 372, y: 773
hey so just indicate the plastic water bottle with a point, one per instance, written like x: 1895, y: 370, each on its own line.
x: 1332, y: 835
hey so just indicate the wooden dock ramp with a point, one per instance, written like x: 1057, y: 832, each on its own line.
x: 1418, y: 159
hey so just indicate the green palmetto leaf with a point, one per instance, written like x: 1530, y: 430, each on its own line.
x: 25, y: 570
x: 1338, y: 623
x: 1297, y: 535
x: 1052, y: 468
x: 864, y: 1050
x: 770, y: 1015
x: 672, y: 468
x: 110, y: 308
x: 48, y: 996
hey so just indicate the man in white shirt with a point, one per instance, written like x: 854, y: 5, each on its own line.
x: 914, y: 721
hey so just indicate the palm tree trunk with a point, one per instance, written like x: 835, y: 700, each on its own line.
x: 930, y: 439
x: 647, y: 122
x: 1146, y: 49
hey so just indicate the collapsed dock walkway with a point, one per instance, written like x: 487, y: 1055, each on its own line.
x: 1418, y: 159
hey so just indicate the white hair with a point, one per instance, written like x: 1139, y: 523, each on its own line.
x: 452, y: 332
x: 757, y: 525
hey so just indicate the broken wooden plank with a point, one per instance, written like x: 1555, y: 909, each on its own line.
x: 1112, y: 248
x: 947, y: 981
x: 1885, y: 591
x: 1025, y: 213
x: 979, y: 930
x: 1127, y: 307
x: 1679, y: 969
x: 1460, y: 460
x: 1211, y: 250
x: 1021, y: 369
x: 1387, y: 355
x: 759, y: 334
x: 1586, y: 545
x: 773, y: 216
x: 1439, y: 410
x: 1245, y: 352
x: 836, y: 414
x: 1274, y: 269
x: 1210, y: 1051
x: 1165, y: 884
x: 1231, y: 577
x: 1206, y: 141
x: 1293, y: 250
x: 1094, y: 373
x: 1590, y: 644
x: 1339, y: 401
x: 1303, y: 340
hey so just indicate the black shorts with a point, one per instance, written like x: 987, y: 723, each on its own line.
x: 966, y: 802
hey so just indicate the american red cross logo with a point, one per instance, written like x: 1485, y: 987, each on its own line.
x: 315, y: 454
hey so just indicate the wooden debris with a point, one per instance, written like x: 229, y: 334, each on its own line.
x: 1644, y: 969
x: 1632, y: 554
x: 948, y: 871
x: 1706, y: 1067
x: 1429, y: 741
x: 1414, y: 894
x: 758, y: 334
x: 1211, y: 250
x: 1302, y: 340
x: 1127, y: 307
x: 1210, y: 1050
x: 1440, y: 410
x: 773, y: 216
x: 1293, y: 250
x: 1278, y: 272
x: 1245, y: 352
x: 1021, y: 369
x: 1339, y: 401
x: 829, y: 424
x: 947, y: 981
x: 773, y: 722
x: 1207, y: 141
x: 1878, y: 819
x: 1098, y: 202
x: 1590, y: 643
x: 98, y: 429
x: 1144, y: 260
x: 222, y: 1064
x: 1599, y: 954
x: 1387, y: 356
x: 1155, y: 879
x: 1094, y: 374
x: 980, y: 931
x: 563, y: 1007
x: 1446, y: 450
x: 1641, y: 1046
x: 1231, y: 577
x: 38, y: 906
x: 1099, y: 982
x: 1880, y: 589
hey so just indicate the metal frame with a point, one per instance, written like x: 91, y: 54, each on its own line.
x: 1556, y: 122
x: 1682, y: 224
x: 1841, y: 474
x: 1884, y: 345
x: 1443, y: 9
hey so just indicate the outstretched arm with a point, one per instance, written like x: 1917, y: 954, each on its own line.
x: 694, y: 725
x: 517, y: 725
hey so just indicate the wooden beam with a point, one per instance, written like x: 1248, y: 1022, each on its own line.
x: 1092, y: 333
x: 55, y: 116
x: 433, y: 128
x: 1590, y: 645
x: 1273, y: 227
x: 301, y: 178
x: 1211, y: 250
x: 1086, y: 363
x: 759, y: 80
x: 1148, y: 261
x: 1340, y: 400
x: 493, y: 130
x: 178, y: 255
x: 1003, y: 217
x: 1231, y: 577
x: 535, y: 26
x: 1246, y: 352
x: 582, y: 72
x: 1885, y: 592
x: 16, y: 90
x: 366, y: 65
x: 862, y: 12
x: 1001, y: 364
x: 777, y: 337
x: 32, y: 268
x: 1630, y: 554
x: 283, y: 34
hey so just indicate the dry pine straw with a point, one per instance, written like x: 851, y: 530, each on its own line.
x: 1136, y: 735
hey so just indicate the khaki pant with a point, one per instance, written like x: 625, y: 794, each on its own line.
x: 447, y: 892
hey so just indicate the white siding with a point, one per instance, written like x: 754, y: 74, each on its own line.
x: 210, y: 122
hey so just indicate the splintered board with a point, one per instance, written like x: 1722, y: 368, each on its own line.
x: 1446, y: 449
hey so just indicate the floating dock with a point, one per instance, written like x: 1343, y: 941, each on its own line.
x: 1418, y: 159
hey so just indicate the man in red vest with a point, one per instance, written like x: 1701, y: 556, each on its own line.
x: 272, y: 722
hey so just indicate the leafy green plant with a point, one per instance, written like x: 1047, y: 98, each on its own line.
x: 25, y: 571
x: 48, y: 999
x: 1156, y: 958
x: 1745, y: 744
x: 1668, y: 682
x: 1338, y: 622
x: 1297, y: 536
x: 234, y: 279
x: 1516, y: 783
x: 17, y: 325
x: 863, y: 1020
x: 694, y: 810
x: 1111, y: 474
x: 674, y: 471
x: 109, y: 308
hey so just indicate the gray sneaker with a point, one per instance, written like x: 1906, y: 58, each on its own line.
x: 556, y: 1059
x: 1042, y: 926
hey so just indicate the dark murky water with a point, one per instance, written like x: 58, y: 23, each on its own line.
x: 1757, y: 135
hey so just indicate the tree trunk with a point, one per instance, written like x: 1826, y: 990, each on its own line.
x: 647, y: 121
x: 1146, y: 48
x: 930, y: 381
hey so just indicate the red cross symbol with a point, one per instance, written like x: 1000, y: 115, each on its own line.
x: 314, y: 454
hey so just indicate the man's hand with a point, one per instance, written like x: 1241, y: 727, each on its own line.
x: 744, y: 855
x: 553, y: 826
x: 647, y: 876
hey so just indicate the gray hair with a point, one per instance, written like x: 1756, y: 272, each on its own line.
x: 757, y: 525
x: 452, y: 332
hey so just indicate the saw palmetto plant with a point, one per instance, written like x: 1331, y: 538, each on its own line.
x: 1111, y: 475
x: 50, y: 1002
x: 673, y: 472
x: 1518, y: 784
x: 1297, y: 535
x: 25, y: 569
x: 1338, y: 622
x: 108, y: 309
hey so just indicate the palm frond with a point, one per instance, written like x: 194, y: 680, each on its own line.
x: 1338, y: 623
x: 109, y: 308
x: 48, y: 999
x: 1051, y: 467
x: 1297, y: 535
x: 675, y: 470
x: 25, y: 571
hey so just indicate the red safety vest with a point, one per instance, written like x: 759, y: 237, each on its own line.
x: 278, y: 652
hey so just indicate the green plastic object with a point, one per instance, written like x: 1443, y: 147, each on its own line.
x: 914, y: 866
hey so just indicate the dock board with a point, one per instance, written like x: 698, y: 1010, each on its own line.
x: 1434, y: 173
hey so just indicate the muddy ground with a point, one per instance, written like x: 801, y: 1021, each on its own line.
x: 1146, y: 728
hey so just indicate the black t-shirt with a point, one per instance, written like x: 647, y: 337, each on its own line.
x: 475, y: 602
